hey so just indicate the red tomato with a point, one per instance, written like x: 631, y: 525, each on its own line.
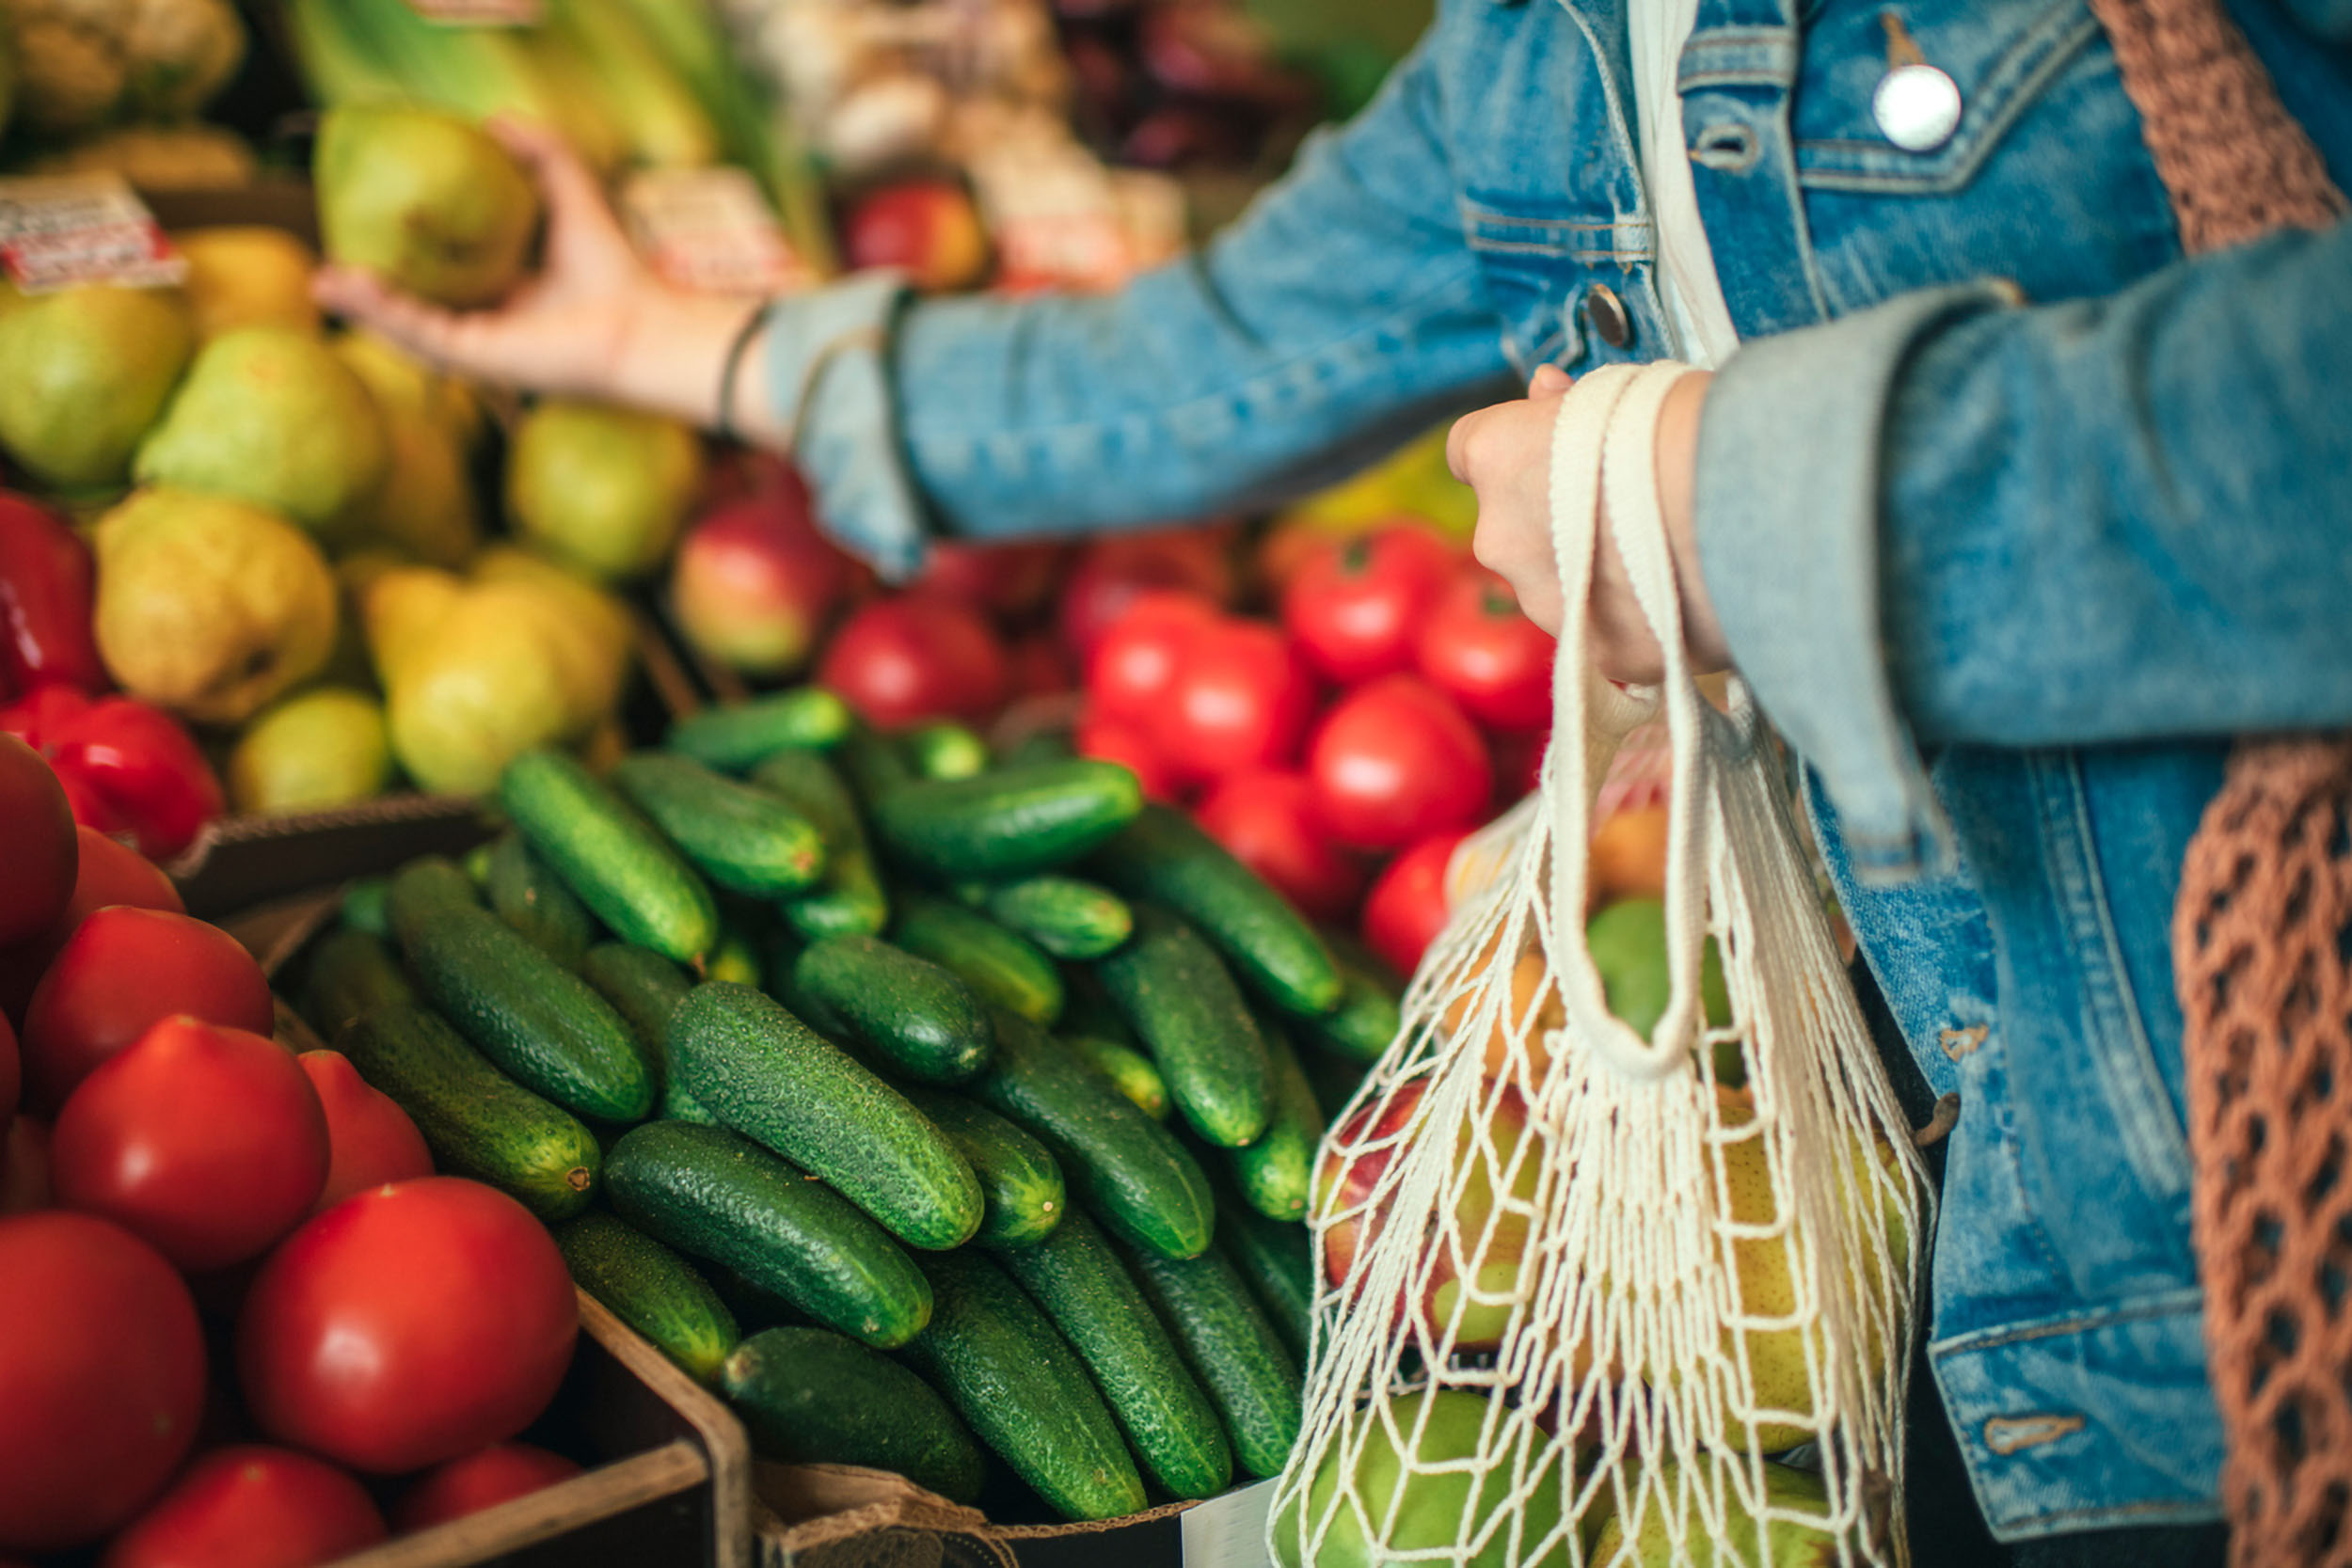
x: 1135, y: 662
x: 500, y: 1473
x: 1116, y: 740
x: 207, y: 1143
x: 1116, y: 569
x: 407, y: 1325
x: 251, y: 1507
x: 1007, y: 578
x: 1240, y: 699
x: 102, y: 1376
x: 122, y: 971
x: 1396, y: 761
x: 1493, y: 661
x: 11, y: 1076
x: 1354, y: 605
x: 109, y: 874
x: 36, y: 843
x: 1406, y: 908
x: 370, y: 1139
x: 1268, y: 821
x: 23, y: 1166
x: 901, y: 660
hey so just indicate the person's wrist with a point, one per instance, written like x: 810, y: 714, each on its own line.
x: 670, y: 350
x: 1677, y: 457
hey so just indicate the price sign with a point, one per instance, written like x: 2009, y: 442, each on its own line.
x: 55, y: 232
x: 711, y: 230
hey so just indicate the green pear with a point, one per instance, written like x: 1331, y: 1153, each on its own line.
x: 209, y: 606
x: 395, y: 375
x: 324, y: 747
x: 83, y: 374
x: 269, y: 415
x: 428, y: 201
x: 1669, y: 1513
x: 602, y: 489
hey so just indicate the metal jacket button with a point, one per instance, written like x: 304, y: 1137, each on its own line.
x: 1916, y: 108
x: 1606, y: 311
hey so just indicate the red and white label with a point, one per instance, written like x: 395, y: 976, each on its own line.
x: 712, y: 231
x: 55, y: 232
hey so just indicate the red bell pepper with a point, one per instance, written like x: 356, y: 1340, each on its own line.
x: 47, y: 590
x: 126, y: 767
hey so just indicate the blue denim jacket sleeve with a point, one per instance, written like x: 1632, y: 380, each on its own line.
x: 1342, y: 315
x: 1953, y: 519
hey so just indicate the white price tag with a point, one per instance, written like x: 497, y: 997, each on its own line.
x: 482, y: 13
x: 711, y: 230
x: 74, y: 229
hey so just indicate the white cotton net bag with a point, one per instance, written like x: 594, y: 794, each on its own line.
x: 1577, y: 1287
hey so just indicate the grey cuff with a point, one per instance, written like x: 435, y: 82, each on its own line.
x: 1789, y: 490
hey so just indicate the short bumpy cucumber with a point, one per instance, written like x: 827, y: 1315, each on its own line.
x: 476, y: 1120
x: 352, y: 972
x: 719, y: 1196
x: 1019, y: 1180
x: 364, y: 905
x: 1276, y: 1261
x: 765, y: 1073
x: 652, y: 1290
x: 1005, y: 970
x: 1183, y: 1004
x: 531, y: 1017
x: 1167, y: 1415
x: 643, y: 986
x: 848, y: 900
x: 1369, y: 1016
x: 1015, y: 822
x: 1065, y: 917
x: 1139, y: 1177
x: 1232, y: 1349
x: 737, y: 738
x: 807, y: 1396
x: 919, y: 1018
x: 1018, y: 1385
x: 872, y: 764
x: 947, y: 750
x: 743, y: 839
x: 1165, y: 857
x: 1276, y: 1173
x: 1132, y: 1071
x: 631, y: 877
x: 528, y: 894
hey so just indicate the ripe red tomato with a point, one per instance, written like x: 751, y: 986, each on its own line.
x: 120, y: 972
x: 1241, y: 700
x: 251, y: 1506
x: 498, y: 1474
x: 1475, y: 645
x: 36, y: 843
x: 1117, y: 740
x: 1137, y: 661
x: 1269, y: 823
x: 370, y: 1139
x: 102, y: 1377
x: 23, y: 1166
x: 1356, y: 604
x: 207, y: 1143
x: 407, y: 1325
x: 109, y: 874
x: 1396, y: 761
x: 901, y: 660
x: 1116, y: 569
x: 1008, y: 578
x: 1406, y: 908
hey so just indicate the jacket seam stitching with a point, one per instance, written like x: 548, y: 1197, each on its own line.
x: 2178, y: 1303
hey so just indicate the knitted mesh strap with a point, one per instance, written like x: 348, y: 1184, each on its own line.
x: 2264, y: 921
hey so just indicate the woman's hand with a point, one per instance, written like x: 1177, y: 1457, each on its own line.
x: 594, y: 322
x: 1504, y: 454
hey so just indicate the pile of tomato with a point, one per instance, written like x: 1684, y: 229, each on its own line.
x: 234, y: 1286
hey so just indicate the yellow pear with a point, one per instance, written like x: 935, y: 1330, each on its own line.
x: 425, y: 503
x: 403, y: 608
x: 247, y: 276
x: 1671, y: 1512
x: 83, y: 371
x: 482, y: 690
x: 596, y: 635
x: 604, y: 489
x: 324, y: 747
x: 394, y: 374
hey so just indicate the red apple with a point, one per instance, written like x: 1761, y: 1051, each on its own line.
x: 1012, y: 579
x: 913, y: 656
x: 1115, y: 570
x: 928, y: 226
x: 755, y: 583
x: 1344, y: 1181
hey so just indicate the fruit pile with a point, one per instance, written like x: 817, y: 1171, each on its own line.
x: 172, y: 1177
x: 115, y: 86
x: 983, y: 1092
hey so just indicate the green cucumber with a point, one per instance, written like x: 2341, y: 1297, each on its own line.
x: 1019, y: 1179
x: 1165, y: 857
x: 1019, y: 1385
x: 872, y: 764
x: 528, y: 895
x: 1129, y: 1069
x: 1181, y: 1003
x: 631, y: 877
x: 1069, y: 918
x: 808, y: 1396
x: 717, y: 1196
x: 652, y: 1290
x: 1234, y: 1350
x: 476, y: 1120
x: 919, y: 1017
x: 739, y: 737
x: 644, y: 988
x: 1143, y: 1182
x: 1015, y: 822
x: 766, y: 1074
x: 1370, y: 1014
x: 364, y: 905
x: 1005, y: 970
x: 1276, y: 1173
x: 743, y: 839
x: 352, y: 972
x: 1167, y: 1417
x: 1276, y: 1259
x: 847, y: 899
x: 947, y: 750
x: 535, y: 1019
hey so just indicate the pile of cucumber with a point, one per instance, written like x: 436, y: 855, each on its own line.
x: 985, y: 1093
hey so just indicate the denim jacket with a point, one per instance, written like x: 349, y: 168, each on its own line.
x: 2012, y: 515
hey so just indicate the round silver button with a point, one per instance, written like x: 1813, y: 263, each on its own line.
x: 1916, y: 108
